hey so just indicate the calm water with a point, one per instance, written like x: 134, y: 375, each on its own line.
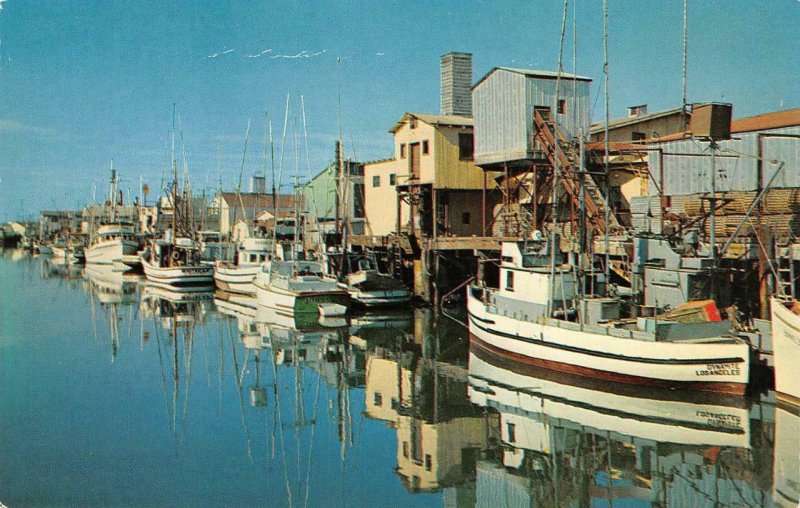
x: 113, y: 394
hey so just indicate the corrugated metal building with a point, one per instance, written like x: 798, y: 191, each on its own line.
x: 503, y: 105
x: 771, y: 137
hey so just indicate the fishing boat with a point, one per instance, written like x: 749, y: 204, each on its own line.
x: 532, y: 318
x: 368, y: 287
x: 113, y: 239
x: 237, y: 276
x: 293, y: 287
x: 176, y: 265
x: 67, y: 253
x: 786, y: 346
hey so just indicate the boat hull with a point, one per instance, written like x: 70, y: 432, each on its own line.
x: 718, y: 367
x: 236, y: 279
x: 379, y: 298
x: 289, y: 303
x: 180, y: 278
x: 786, y: 346
x: 105, y: 253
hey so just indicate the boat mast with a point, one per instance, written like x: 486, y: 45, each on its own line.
x: 607, y: 268
x: 113, y: 193
x: 556, y: 169
x: 174, y: 181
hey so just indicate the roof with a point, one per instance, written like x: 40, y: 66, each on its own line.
x: 530, y: 73
x: 379, y: 161
x: 764, y: 122
x: 257, y: 200
x: 633, y: 120
x: 448, y: 120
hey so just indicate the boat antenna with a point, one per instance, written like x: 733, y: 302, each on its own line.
x: 556, y: 169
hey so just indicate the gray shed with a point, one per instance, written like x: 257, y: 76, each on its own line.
x: 503, y: 103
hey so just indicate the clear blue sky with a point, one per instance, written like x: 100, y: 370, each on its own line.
x: 83, y: 82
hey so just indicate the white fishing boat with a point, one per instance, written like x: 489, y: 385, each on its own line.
x: 176, y: 266
x: 113, y: 239
x: 111, y: 243
x: 67, y: 254
x: 786, y: 346
x: 297, y: 287
x: 237, y: 276
x: 532, y: 319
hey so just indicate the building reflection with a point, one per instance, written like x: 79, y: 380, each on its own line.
x: 416, y: 381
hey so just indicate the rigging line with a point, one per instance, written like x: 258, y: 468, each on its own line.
x: 283, y: 146
x: 241, y: 398
x: 308, y: 167
x: 279, y: 420
x: 311, y: 440
x: 163, y: 375
x: 239, y: 193
x: 556, y: 174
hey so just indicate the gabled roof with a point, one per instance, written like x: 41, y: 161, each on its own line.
x: 764, y: 122
x: 443, y: 120
x: 530, y: 73
x: 262, y: 201
x: 632, y: 120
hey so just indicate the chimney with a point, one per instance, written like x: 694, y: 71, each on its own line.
x: 456, y: 83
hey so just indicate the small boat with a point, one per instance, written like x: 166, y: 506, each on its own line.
x: 297, y: 287
x: 332, y: 310
x: 176, y: 266
x: 532, y: 319
x: 786, y: 346
x: 237, y: 276
x: 370, y: 288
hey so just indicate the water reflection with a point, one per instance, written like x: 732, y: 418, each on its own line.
x: 249, y: 407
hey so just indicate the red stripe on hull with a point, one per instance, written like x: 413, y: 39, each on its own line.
x: 616, y: 377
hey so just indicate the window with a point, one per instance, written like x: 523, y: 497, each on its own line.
x: 512, y: 432
x: 428, y: 462
x: 412, y: 123
x: 466, y: 146
x: 562, y: 106
x: 402, y: 150
x: 376, y: 181
x: 425, y: 148
x: 509, y: 280
x: 405, y: 449
x: 465, y: 218
x: 378, y: 399
x: 253, y: 258
x: 638, y: 136
x: 392, y: 179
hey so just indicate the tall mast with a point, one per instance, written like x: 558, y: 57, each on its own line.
x: 556, y: 169
x: 607, y: 268
x: 112, y: 190
x: 174, y: 181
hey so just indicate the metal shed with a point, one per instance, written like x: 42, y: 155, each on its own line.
x: 503, y: 104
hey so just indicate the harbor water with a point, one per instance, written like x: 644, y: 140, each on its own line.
x: 113, y: 393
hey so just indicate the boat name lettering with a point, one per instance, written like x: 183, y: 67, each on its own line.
x: 720, y: 419
x: 719, y: 369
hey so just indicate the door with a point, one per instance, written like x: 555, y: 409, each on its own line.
x: 414, y: 161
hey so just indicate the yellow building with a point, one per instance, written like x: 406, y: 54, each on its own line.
x: 432, y: 170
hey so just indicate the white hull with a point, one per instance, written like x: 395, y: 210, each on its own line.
x: 236, y: 279
x: 523, y: 398
x: 105, y: 253
x: 786, y: 346
x: 380, y: 298
x: 288, y: 303
x: 180, y: 278
x: 723, y: 366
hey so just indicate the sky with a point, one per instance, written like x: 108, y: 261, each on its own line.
x: 85, y: 82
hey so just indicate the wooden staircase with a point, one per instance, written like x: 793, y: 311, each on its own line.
x: 547, y: 134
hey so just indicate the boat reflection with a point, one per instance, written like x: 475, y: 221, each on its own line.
x: 562, y: 442
x: 786, y: 464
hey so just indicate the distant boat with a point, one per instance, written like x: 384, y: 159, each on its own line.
x: 113, y: 239
x: 786, y: 346
x: 237, y: 276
